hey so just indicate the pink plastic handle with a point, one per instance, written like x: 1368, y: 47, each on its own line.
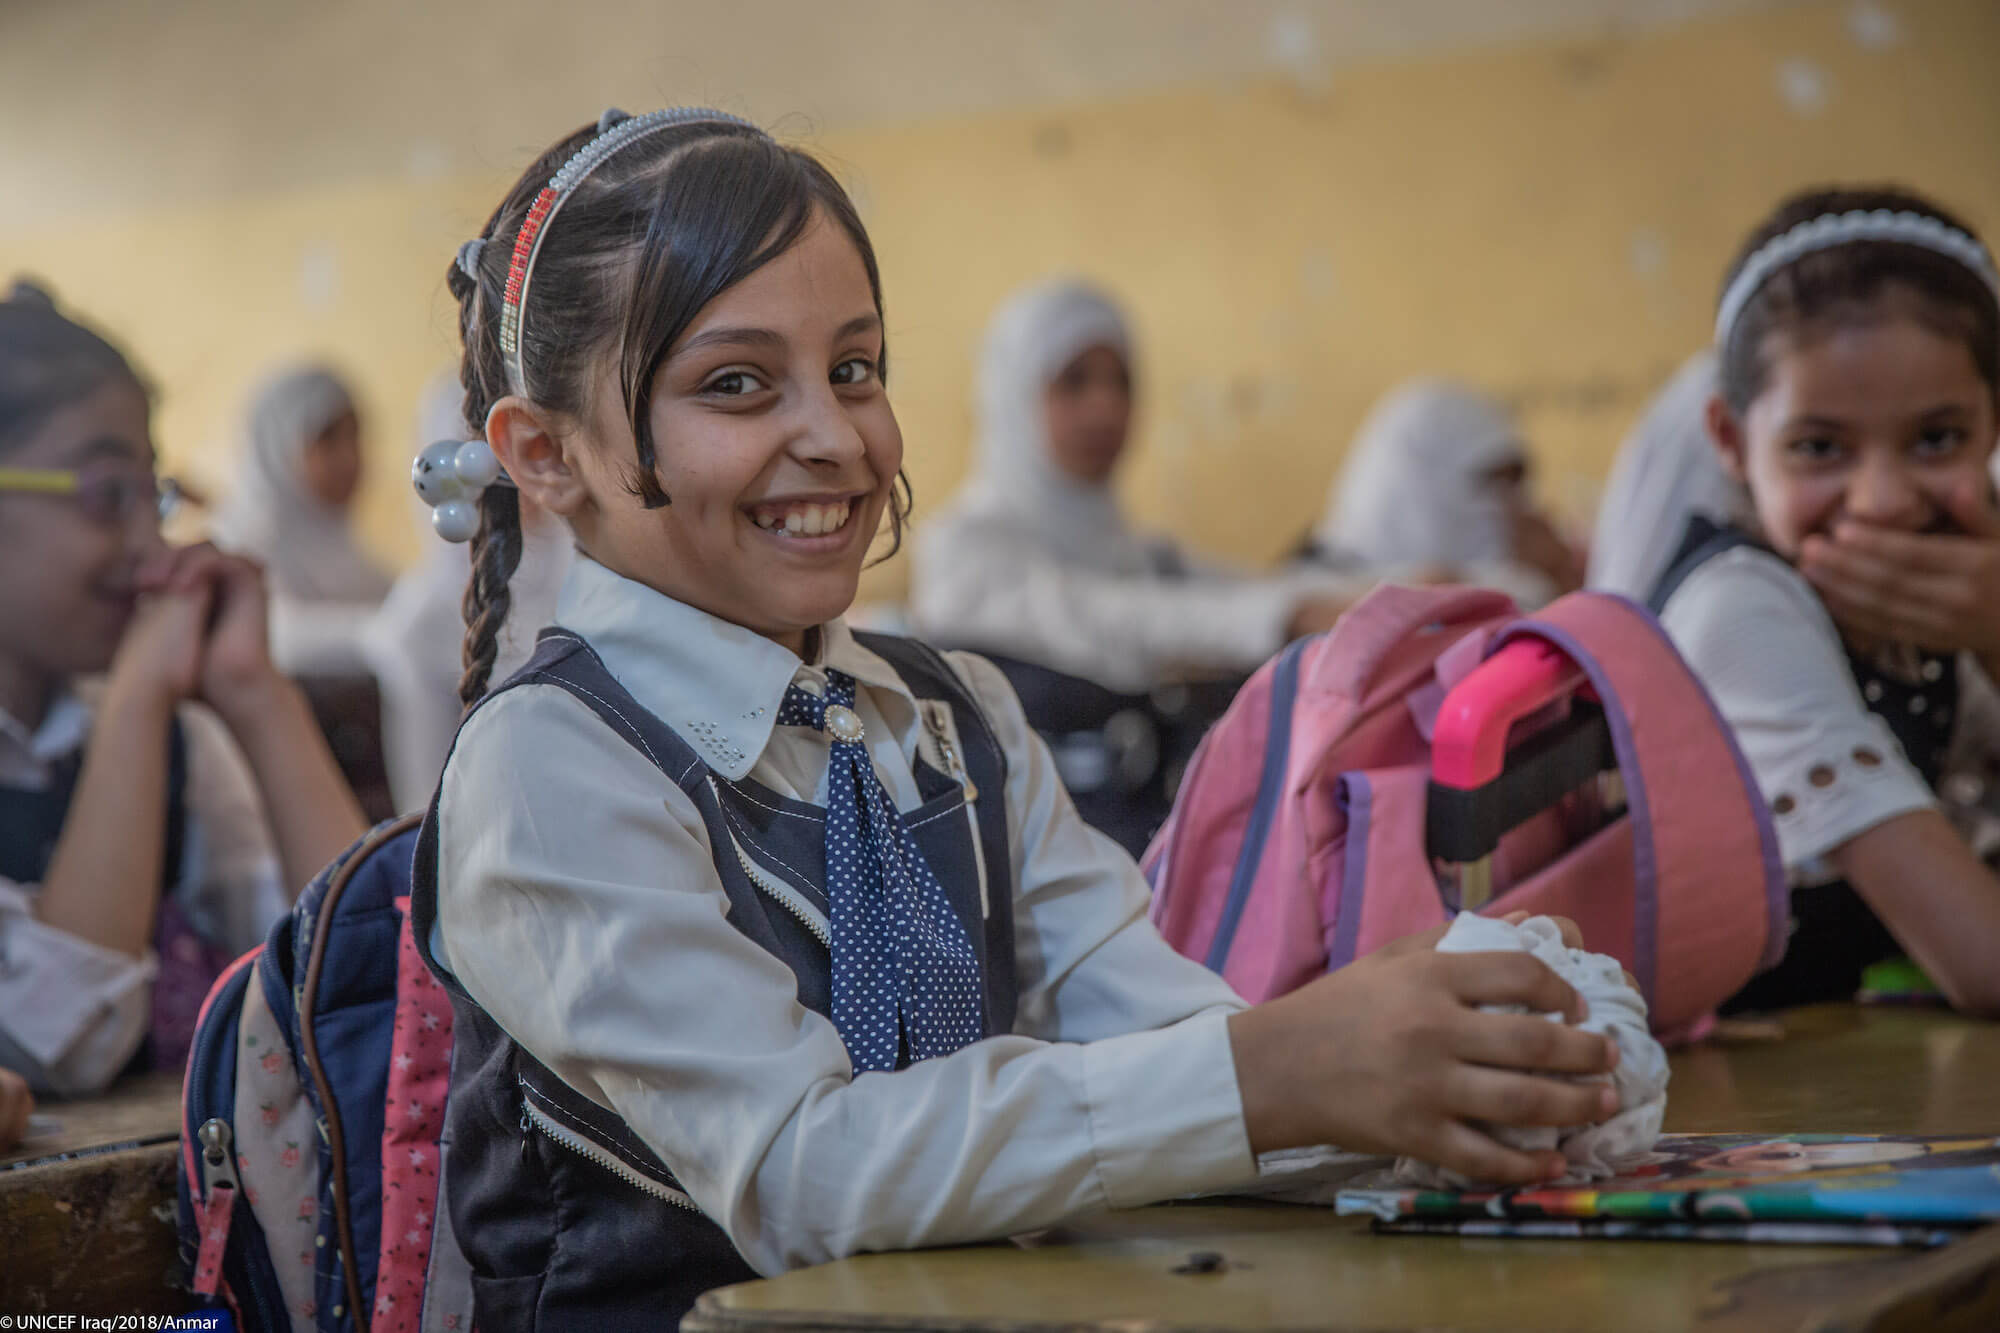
x: 1469, y: 743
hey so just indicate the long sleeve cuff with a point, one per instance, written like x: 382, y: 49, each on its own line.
x: 77, y: 1009
x: 1166, y: 1118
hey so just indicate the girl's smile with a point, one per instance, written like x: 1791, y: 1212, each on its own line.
x: 809, y: 524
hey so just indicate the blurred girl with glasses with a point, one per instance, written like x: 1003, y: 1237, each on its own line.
x: 139, y: 851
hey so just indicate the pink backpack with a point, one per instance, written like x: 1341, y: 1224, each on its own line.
x: 1437, y: 751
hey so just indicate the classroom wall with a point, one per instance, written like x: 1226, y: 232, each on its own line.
x: 1547, y: 220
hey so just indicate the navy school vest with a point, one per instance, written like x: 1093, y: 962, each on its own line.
x: 569, y: 1221
x: 1835, y: 934
x: 31, y: 823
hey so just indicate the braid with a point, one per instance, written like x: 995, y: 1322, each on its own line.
x: 496, y: 553
x: 496, y: 547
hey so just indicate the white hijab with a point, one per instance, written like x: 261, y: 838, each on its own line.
x: 307, y: 547
x: 1032, y: 338
x: 1666, y: 472
x: 1415, y: 492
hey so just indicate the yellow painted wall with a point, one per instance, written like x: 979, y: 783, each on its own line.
x: 1549, y: 221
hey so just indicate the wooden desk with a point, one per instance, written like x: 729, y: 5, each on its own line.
x: 86, y: 1213
x: 1838, y: 1069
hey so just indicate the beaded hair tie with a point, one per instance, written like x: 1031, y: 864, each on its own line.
x: 1835, y: 229
x: 615, y: 130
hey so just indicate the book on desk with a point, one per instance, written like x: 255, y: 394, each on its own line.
x: 1825, y: 1189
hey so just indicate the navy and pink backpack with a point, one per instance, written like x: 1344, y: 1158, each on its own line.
x: 313, y: 1112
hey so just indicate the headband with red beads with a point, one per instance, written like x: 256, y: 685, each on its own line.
x: 615, y: 129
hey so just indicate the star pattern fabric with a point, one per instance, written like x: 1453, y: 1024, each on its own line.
x: 905, y: 975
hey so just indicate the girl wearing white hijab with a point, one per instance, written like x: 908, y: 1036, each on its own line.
x: 1666, y: 473
x: 299, y: 472
x: 1436, y: 490
x: 1033, y: 559
x: 415, y: 643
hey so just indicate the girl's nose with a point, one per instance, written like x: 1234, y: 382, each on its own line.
x: 828, y: 434
x: 1881, y: 491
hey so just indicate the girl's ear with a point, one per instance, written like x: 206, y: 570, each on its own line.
x: 525, y: 440
x: 1725, y: 432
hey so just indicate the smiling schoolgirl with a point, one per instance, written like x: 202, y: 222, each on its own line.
x: 771, y: 942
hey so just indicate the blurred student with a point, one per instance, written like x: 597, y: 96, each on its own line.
x: 1033, y: 559
x: 138, y: 851
x: 290, y: 508
x: 1122, y: 646
x: 1437, y: 489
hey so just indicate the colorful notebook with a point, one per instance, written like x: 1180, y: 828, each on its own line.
x: 1655, y: 1229
x: 1803, y: 1188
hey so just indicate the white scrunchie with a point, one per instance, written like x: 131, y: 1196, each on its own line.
x: 1593, y: 1151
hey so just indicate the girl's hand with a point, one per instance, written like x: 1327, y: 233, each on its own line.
x: 1392, y: 1055
x: 1940, y: 592
x: 16, y: 1103
x: 238, y: 659
x: 158, y: 662
x: 236, y: 654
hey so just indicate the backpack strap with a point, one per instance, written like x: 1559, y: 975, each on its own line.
x: 1703, y: 540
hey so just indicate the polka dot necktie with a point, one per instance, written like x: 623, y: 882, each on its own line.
x: 902, y: 964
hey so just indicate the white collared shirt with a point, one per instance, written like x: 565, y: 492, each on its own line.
x: 990, y: 583
x: 72, y: 1012
x: 1763, y: 644
x: 579, y: 904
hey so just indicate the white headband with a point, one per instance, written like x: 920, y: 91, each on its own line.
x: 1835, y: 229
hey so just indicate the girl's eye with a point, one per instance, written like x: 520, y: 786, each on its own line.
x: 854, y: 370
x: 733, y: 384
x: 1940, y: 441
x: 1814, y: 449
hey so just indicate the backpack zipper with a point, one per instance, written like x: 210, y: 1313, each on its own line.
x: 217, y: 1154
x: 784, y: 894
x: 534, y: 1118
x: 253, y: 1258
x: 935, y: 714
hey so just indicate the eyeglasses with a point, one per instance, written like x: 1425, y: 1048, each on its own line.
x: 110, y: 495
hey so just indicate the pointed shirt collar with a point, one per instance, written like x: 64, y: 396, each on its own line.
x: 714, y: 682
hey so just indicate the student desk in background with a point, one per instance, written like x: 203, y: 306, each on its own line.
x: 1838, y: 1069
x: 86, y: 1212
